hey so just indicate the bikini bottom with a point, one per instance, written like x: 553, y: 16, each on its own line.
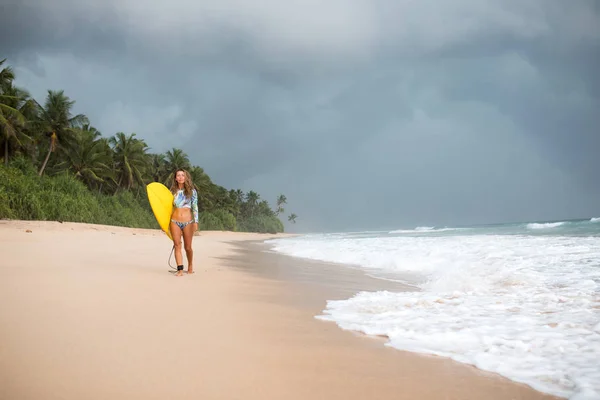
x: 182, y: 224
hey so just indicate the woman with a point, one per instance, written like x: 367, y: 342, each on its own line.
x: 184, y: 219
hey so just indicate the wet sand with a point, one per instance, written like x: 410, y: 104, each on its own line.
x: 95, y: 312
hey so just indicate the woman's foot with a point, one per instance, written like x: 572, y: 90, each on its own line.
x: 190, y: 270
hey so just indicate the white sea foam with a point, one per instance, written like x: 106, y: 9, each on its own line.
x: 424, y: 229
x: 545, y: 225
x: 596, y: 219
x: 526, y: 307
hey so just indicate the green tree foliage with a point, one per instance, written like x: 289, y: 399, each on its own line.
x: 57, y: 166
x: 56, y: 121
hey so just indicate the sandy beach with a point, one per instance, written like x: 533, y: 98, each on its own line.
x: 94, y: 312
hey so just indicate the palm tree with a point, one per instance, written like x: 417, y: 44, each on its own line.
x: 176, y: 159
x: 89, y: 157
x: 7, y: 75
x: 281, y: 200
x: 131, y: 159
x: 265, y: 209
x: 200, y: 179
x: 58, y: 122
x: 158, y: 168
x: 13, y: 102
x: 252, y: 198
x: 221, y: 196
x: 251, y: 202
x: 204, y: 185
x: 292, y: 218
x: 240, y: 196
x: 88, y: 130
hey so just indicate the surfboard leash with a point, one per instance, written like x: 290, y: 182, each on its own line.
x: 170, y: 255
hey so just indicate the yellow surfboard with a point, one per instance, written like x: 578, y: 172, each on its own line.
x: 161, y: 201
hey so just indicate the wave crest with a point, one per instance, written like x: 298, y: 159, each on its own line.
x: 546, y: 225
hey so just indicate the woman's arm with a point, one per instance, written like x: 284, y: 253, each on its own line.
x: 195, y: 205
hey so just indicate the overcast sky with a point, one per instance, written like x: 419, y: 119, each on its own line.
x: 366, y: 114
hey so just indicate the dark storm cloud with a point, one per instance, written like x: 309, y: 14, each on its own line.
x: 365, y: 114
x: 58, y: 26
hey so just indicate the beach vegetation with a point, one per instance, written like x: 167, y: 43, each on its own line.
x: 57, y: 166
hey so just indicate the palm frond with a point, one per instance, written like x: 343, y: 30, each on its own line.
x: 78, y: 121
x: 11, y: 112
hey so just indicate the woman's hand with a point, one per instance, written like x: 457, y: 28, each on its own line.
x: 195, y: 226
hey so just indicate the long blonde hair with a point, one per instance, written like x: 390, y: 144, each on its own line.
x: 188, y: 185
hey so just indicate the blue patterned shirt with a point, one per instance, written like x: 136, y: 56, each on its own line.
x: 180, y: 201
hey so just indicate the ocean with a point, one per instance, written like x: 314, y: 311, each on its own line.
x: 521, y: 300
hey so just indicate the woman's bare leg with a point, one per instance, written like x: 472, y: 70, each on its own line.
x: 188, y: 234
x: 176, y: 233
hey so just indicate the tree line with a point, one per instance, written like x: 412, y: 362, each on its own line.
x: 47, y: 141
